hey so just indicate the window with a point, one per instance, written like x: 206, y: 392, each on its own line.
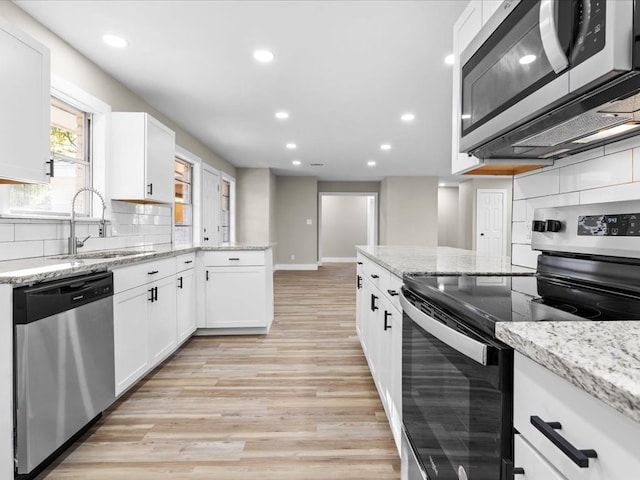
x: 183, y: 207
x: 225, y: 198
x: 70, y: 141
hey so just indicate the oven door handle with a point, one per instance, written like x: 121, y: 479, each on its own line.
x: 467, y: 346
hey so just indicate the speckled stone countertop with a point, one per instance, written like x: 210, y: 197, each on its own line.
x: 440, y: 261
x: 33, y: 270
x: 602, y: 358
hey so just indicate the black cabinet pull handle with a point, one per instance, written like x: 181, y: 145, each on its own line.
x: 50, y: 173
x: 359, y: 282
x: 359, y: 263
x: 374, y: 306
x: 150, y: 297
x: 393, y: 293
x: 150, y: 189
x: 386, y: 325
x: 509, y: 471
x: 153, y: 272
x: 206, y: 239
x: 188, y: 261
x: 207, y: 275
x: 234, y: 258
x: 156, y: 294
x: 180, y: 284
x: 548, y: 429
x: 375, y: 276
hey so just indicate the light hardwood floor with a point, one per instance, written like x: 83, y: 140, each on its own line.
x: 298, y: 403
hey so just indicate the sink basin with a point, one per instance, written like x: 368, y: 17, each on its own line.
x: 101, y: 255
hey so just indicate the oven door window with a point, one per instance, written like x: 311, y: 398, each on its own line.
x: 510, y: 65
x: 453, y: 408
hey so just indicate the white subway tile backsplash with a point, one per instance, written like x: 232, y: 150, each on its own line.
x: 39, y: 231
x: 572, y: 198
x: 16, y: 250
x: 579, y: 157
x: 523, y: 256
x: 7, y: 232
x: 600, y: 172
x: 59, y: 246
x: 519, y: 211
x: 521, y: 232
x: 628, y: 191
x: 544, y: 183
x: 622, y: 145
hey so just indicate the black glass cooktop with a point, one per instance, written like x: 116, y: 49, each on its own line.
x: 481, y: 301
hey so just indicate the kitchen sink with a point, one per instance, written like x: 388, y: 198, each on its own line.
x: 101, y: 255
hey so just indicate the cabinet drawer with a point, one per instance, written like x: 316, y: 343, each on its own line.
x: 137, y: 274
x: 535, y: 467
x: 586, y: 423
x: 377, y: 275
x: 228, y: 258
x: 185, y: 262
x: 393, y: 292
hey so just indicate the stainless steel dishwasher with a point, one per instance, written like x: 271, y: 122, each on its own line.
x: 64, y: 365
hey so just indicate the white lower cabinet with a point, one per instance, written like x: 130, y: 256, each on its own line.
x: 600, y: 443
x: 186, y: 314
x: 238, y: 289
x: 145, y: 326
x: 379, y: 327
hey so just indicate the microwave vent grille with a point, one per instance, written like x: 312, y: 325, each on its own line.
x: 573, y: 129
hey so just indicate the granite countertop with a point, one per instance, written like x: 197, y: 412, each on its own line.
x: 440, y: 261
x: 38, y: 269
x: 601, y: 358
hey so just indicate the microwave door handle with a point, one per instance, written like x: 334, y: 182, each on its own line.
x: 467, y: 346
x: 549, y: 35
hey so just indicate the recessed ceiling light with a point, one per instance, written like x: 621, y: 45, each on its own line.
x: 291, y: 146
x: 441, y: 184
x: 465, y: 116
x: 371, y: 163
x: 263, y: 56
x: 296, y: 162
x: 407, y: 117
x: 385, y: 146
x: 114, y: 40
x: 527, y: 59
x: 449, y: 59
x: 282, y: 115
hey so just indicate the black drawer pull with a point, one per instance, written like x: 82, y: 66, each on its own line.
x: 386, y: 325
x: 153, y: 272
x: 548, y: 429
x: 234, y: 258
x: 359, y: 263
x: 374, y: 305
x: 375, y: 276
x: 150, y: 189
x: 393, y: 293
x: 509, y: 471
x: 359, y: 282
x: 188, y: 261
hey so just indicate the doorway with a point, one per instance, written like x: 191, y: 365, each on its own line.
x: 346, y: 220
x: 491, y: 222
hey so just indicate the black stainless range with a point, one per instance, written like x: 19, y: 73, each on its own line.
x: 457, y: 377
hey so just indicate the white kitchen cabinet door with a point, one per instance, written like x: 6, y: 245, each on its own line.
x: 130, y: 336
x: 535, y: 466
x: 236, y: 297
x: 163, y: 330
x: 25, y: 97
x: 186, y: 304
x: 466, y: 27
x: 143, y: 155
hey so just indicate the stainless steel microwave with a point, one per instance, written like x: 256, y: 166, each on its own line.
x: 549, y: 78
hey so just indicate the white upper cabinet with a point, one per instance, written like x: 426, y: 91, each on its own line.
x: 467, y: 27
x: 25, y: 82
x: 142, y: 159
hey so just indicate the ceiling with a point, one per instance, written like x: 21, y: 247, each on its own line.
x: 344, y: 71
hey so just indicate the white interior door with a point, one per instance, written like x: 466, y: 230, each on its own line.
x: 490, y: 222
x: 210, y: 207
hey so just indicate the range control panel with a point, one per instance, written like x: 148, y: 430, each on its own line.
x: 617, y: 225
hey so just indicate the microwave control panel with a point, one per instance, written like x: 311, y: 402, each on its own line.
x: 589, y: 29
x: 618, y: 225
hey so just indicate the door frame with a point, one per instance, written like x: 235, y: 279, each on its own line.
x: 213, y: 171
x: 505, y: 220
x: 374, y: 219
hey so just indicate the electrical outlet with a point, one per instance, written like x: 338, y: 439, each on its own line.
x: 293, y: 257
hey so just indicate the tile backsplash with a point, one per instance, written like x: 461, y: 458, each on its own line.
x: 605, y: 174
x: 130, y: 225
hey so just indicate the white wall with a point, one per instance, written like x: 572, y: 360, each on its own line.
x: 343, y: 225
x: 448, y: 229
x: 606, y: 174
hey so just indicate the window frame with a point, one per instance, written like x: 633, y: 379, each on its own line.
x: 224, y: 177
x: 196, y: 194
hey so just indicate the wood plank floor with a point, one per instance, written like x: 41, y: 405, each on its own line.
x: 298, y: 403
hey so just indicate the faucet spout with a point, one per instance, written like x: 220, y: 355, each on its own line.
x: 74, y: 243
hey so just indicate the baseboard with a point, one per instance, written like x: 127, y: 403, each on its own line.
x: 296, y: 266
x: 338, y: 259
